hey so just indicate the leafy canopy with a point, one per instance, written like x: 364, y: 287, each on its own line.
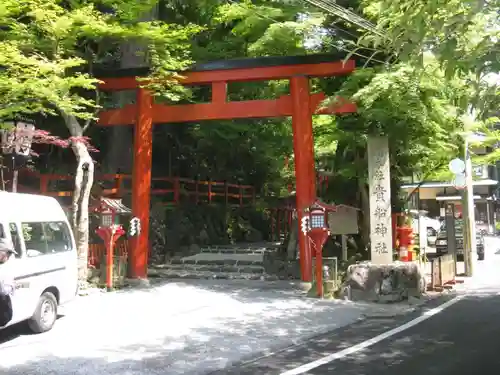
x: 48, y: 49
x: 462, y: 34
x: 418, y: 111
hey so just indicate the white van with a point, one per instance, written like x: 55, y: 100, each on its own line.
x: 45, y: 268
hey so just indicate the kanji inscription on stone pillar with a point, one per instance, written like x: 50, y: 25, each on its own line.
x: 380, y: 200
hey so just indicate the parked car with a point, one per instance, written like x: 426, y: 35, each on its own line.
x: 442, y: 240
x: 432, y: 226
x: 431, y: 236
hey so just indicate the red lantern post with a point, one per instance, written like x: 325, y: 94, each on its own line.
x: 315, y: 226
x: 109, y: 232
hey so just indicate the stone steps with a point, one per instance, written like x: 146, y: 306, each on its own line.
x: 186, y: 274
x: 226, y: 259
x: 235, y: 250
x: 215, y: 268
x: 221, y: 262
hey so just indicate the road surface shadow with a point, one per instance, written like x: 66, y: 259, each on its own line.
x: 14, y: 331
x: 190, y: 355
x: 187, y: 340
x: 439, y: 334
x: 461, y: 340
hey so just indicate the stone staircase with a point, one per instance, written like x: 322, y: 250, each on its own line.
x: 249, y: 262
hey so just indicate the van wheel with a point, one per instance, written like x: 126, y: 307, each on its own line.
x: 45, y: 314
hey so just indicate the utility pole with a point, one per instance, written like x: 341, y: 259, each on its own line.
x: 469, y: 213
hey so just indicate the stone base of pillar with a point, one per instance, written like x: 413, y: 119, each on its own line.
x: 138, y: 283
x: 304, y: 286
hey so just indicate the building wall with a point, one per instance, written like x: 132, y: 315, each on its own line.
x: 435, y: 208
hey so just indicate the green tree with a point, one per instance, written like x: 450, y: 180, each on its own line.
x: 48, y: 51
x: 252, y: 151
x: 418, y: 111
x: 462, y: 35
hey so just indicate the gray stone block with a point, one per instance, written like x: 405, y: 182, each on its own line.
x: 384, y: 283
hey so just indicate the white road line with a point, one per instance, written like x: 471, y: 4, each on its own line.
x: 366, y: 344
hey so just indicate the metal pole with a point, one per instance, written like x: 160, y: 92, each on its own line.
x: 344, y: 247
x: 422, y: 236
x: 110, y: 260
x: 15, y: 175
x: 469, y: 217
x: 488, y: 216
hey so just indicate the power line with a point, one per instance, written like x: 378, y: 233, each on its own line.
x: 337, y: 46
x: 335, y: 9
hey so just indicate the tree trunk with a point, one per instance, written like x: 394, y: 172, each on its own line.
x: 84, y: 179
x: 120, y: 149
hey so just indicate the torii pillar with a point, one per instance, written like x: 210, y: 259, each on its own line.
x: 141, y: 183
x: 305, y: 175
x: 301, y: 105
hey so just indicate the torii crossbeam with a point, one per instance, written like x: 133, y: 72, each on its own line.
x: 301, y: 104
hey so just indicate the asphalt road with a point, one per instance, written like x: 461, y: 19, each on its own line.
x: 463, y: 339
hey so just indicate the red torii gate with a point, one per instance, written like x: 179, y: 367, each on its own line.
x: 301, y: 104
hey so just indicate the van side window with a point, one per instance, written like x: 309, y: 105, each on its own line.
x: 16, y: 238
x: 46, y: 238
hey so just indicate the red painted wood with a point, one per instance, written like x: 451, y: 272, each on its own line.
x: 121, y: 116
x: 219, y: 92
x: 177, y: 189
x: 239, y: 75
x: 301, y: 105
x: 219, y: 110
x: 243, y: 191
x: 44, y: 184
x: 141, y: 183
x: 304, y: 163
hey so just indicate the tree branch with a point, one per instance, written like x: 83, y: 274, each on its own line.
x: 417, y: 188
x: 89, y: 121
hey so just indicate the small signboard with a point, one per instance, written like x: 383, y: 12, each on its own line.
x: 18, y: 140
x: 344, y: 220
x: 24, y: 137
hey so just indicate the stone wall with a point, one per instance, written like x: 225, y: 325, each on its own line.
x: 183, y: 230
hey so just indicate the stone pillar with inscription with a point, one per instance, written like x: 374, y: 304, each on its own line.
x: 380, y: 200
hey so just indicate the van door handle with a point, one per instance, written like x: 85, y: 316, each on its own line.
x: 22, y: 284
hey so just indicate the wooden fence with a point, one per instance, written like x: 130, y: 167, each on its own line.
x: 281, y: 222
x: 171, y: 190
x: 98, y: 251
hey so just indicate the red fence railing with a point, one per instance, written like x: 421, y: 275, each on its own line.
x: 98, y: 251
x: 281, y: 222
x: 172, y: 190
